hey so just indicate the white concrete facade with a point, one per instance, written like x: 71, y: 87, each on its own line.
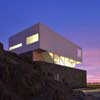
x: 49, y: 41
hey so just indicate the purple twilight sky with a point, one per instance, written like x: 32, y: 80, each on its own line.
x: 77, y: 20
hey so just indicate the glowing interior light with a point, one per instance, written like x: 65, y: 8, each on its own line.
x: 15, y: 46
x: 77, y: 62
x: 65, y: 61
x: 62, y: 60
x: 51, y: 54
x: 56, y: 59
x: 72, y: 61
x: 32, y: 39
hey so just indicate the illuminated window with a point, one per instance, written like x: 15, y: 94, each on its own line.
x: 56, y: 59
x: 77, y: 62
x: 32, y: 39
x: 67, y: 62
x: 51, y: 55
x: 48, y: 57
x: 62, y: 62
x: 15, y: 46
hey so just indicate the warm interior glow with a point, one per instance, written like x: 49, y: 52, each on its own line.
x: 51, y: 54
x: 65, y: 61
x: 32, y: 39
x: 61, y: 60
x: 47, y: 57
x: 54, y: 58
x: 15, y: 46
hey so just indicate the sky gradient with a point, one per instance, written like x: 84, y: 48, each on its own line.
x: 77, y: 20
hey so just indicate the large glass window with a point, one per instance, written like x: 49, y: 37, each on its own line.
x: 48, y: 57
x: 65, y: 61
x: 51, y: 54
x: 56, y: 59
x: 32, y: 39
x: 15, y: 46
x: 61, y: 60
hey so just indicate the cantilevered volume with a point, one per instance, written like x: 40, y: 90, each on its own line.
x: 43, y: 44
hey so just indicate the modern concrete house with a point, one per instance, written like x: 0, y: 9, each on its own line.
x: 46, y: 45
x: 55, y: 55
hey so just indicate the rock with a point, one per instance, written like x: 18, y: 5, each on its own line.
x: 21, y: 80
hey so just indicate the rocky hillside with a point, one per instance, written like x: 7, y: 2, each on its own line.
x: 21, y: 79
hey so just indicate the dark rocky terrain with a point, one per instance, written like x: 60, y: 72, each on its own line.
x: 21, y: 79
